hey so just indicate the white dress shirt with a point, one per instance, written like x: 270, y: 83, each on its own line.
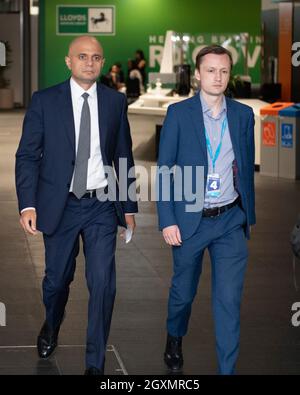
x: 96, y: 176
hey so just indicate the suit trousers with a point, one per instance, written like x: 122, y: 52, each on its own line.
x: 96, y: 223
x: 225, y: 239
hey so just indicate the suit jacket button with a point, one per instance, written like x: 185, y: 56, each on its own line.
x: 73, y: 162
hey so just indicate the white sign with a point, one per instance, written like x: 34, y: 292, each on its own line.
x: 84, y: 19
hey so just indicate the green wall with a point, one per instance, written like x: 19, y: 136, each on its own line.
x: 137, y: 20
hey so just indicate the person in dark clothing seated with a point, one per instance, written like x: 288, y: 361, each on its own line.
x: 113, y: 78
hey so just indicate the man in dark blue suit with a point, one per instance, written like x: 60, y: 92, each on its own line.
x: 75, y: 136
x: 208, y: 142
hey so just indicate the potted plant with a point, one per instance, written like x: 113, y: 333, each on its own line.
x: 6, y: 93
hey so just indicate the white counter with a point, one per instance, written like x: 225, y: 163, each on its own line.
x: 153, y: 109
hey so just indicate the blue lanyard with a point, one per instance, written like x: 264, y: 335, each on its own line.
x: 218, y: 150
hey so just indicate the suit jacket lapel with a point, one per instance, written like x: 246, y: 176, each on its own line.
x: 103, y: 110
x: 66, y: 112
x: 197, y: 118
x: 234, y: 129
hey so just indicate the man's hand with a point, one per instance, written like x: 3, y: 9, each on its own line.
x: 28, y: 221
x: 172, y: 235
x: 130, y: 222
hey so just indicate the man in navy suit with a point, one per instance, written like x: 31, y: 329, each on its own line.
x: 212, y: 137
x: 73, y: 133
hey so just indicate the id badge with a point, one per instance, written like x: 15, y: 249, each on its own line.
x: 213, y: 185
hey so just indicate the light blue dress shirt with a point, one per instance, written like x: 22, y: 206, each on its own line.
x: 223, y: 165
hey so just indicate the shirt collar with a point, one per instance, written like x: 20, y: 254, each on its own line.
x: 78, y: 91
x: 206, y: 109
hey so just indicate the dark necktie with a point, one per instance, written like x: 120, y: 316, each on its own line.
x: 83, y: 150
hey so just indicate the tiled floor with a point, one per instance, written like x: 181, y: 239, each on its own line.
x: 269, y: 342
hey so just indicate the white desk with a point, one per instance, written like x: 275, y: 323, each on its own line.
x: 151, y: 110
x: 154, y: 101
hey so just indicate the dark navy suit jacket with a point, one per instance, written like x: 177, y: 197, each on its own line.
x: 183, y: 144
x: 46, y: 155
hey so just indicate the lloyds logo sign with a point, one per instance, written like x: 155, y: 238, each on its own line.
x: 84, y: 19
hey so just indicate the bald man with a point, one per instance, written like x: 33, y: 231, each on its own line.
x: 67, y: 174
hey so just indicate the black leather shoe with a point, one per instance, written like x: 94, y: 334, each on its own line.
x: 173, y: 354
x: 47, y: 341
x: 93, y: 372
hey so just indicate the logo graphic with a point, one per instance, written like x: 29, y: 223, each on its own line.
x: 269, y: 134
x: 287, y: 135
x: 76, y: 20
x: 100, y: 20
